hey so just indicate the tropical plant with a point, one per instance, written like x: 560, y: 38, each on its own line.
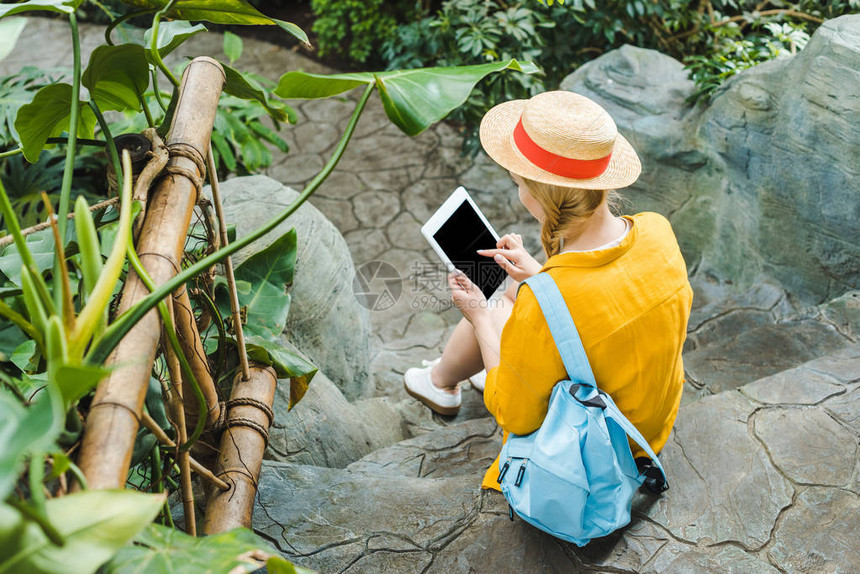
x: 59, y: 284
x: 714, y: 39
x: 356, y: 28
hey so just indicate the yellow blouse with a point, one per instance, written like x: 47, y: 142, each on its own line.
x: 630, y: 304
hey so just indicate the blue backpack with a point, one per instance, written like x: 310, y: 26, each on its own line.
x: 575, y: 476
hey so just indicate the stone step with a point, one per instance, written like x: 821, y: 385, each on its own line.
x: 466, y: 448
x: 751, y: 471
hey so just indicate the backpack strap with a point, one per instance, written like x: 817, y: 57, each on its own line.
x: 611, y: 411
x: 562, y: 327
x: 573, y: 355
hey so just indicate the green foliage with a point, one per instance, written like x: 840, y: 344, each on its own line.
x: 26, y: 431
x: 714, y: 38
x: 55, y: 333
x: 10, y: 29
x: 25, y: 181
x: 17, y: 90
x: 413, y: 99
x: 117, y: 77
x: 165, y: 550
x: 356, y: 28
x: 232, y: 46
x: 62, y: 6
x: 93, y: 526
x: 47, y: 116
x: 261, y: 280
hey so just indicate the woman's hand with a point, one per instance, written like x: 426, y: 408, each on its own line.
x: 513, y: 257
x: 468, y: 297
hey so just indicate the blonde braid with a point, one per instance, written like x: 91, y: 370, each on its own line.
x: 565, y: 209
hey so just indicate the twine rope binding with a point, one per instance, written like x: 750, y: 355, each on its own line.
x: 252, y: 402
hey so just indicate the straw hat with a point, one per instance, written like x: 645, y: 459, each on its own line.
x: 561, y: 138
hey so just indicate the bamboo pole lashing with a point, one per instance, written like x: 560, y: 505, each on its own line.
x: 117, y: 406
x: 243, y: 442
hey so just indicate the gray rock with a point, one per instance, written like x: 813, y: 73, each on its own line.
x: 325, y: 518
x: 457, y: 450
x: 819, y: 533
x: 744, y: 347
x: 324, y: 429
x: 846, y: 408
x: 794, y: 386
x: 678, y: 558
x: 828, y: 451
x: 328, y: 325
x: 722, y: 485
x: 844, y: 313
x: 762, y: 181
x: 844, y: 365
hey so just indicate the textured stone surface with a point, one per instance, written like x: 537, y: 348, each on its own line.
x: 846, y: 408
x: 729, y: 508
x: 328, y: 325
x: 324, y: 429
x: 727, y: 173
x: 744, y: 346
x: 794, y: 386
x: 819, y: 533
x: 829, y: 451
x: 463, y: 449
x: 723, y: 487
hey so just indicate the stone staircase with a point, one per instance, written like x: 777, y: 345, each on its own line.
x: 752, y: 471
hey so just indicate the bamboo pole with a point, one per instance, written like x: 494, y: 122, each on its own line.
x: 241, y: 455
x: 112, y: 422
x: 192, y: 348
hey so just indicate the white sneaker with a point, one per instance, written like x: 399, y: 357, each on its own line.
x: 478, y: 380
x: 418, y: 384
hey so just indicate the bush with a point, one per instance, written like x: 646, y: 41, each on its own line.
x: 715, y: 39
x: 356, y: 28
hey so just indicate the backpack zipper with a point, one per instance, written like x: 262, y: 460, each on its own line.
x: 521, y: 472
x: 503, y: 471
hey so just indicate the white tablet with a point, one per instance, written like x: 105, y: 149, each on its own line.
x: 456, y: 231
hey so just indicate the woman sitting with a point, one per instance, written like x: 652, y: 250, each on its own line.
x: 623, y: 279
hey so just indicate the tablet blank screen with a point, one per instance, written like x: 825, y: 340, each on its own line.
x: 459, y: 237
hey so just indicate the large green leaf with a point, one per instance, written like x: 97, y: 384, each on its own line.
x: 95, y: 524
x: 25, y: 429
x: 47, y: 116
x: 287, y: 364
x: 64, y: 6
x: 263, y: 279
x: 117, y: 76
x: 74, y: 381
x: 413, y: 99
x: 171, y: 35
x: 245, y: 87
x: 215, y: 11
x: 220, y: 12
x: 165, y: 550
x: 41, y: 246
x: 10, y: 29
